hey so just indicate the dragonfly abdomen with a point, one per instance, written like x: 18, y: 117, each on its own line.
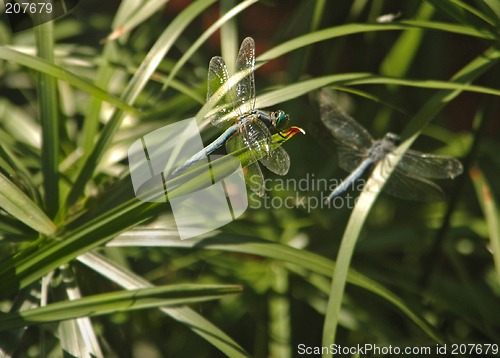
x: 347, y: 182
x: 212, y: 147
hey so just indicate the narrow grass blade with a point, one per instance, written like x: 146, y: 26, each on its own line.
x: 351, y: 29
x: 301, y: 88
x: 471, y: 71
x: 279, y: 326
x: 491, y: 214
x: 32, y: 264
x: 14, y: 168
x: 49, y: 117
x: 467, y: 74
x: 60, y: 73
x: 304, y: 259
x: 107, y: 303
x: 77, y: 336
x: 19, y: 205
x: 402, y: 54
x: 492, y: 7
x: 135, y: 86
x: 131, y: 14
x: 462, y: 12
x: 208, y: 32
x: 185, y: 315
x: 354, y: 226
x: 229, y: 39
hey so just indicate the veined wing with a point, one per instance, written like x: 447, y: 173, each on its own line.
x: 277, y: 161
x: 430, y: 166
x: 248, y: 140
x: 343, y: 128
x: 404, y: 186
x: 245, y: 63
x: 253, y: 174
x: 349, y: 159
x: 226, y: 101
x: 255, y: 137
x: 255, y: 179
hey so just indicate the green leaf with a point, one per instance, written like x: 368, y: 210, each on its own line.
x: 49, y: 117
x: 301, y: 88
x: 19, y: 205
x: 97, y: 305
x: 133, y: 13
x: 349, y: 239
x: 60, y: 73
x: 183, y: 314
x: 397, y: 62
x: 351, y: 29
x: 490, y: 209
x: 471, y: 71
x: 302, y: 258
x: 134, y: 87
x: 209, y: 32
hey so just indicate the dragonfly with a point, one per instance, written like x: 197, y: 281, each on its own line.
x: 358, y: 151
x: 249, y: 129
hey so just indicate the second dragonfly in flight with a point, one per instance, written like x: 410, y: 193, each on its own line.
x: 357, y: 151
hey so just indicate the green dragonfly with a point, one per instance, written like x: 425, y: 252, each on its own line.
x: 249, y: 129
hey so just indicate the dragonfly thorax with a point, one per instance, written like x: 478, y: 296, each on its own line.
x: 382, y: 147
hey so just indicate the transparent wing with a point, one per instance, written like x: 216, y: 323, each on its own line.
x: 411, y: 187
x: 257, y: 139
x: 277, y: 161
x: 349, y: 159
x: 255, y: 179
x: 245, y: 62
x: 241, y: 140
x: 253, y: 174
x: 343, y: 128
x: 225, y: 102
x: 430, y: 165
x: 255, y: 136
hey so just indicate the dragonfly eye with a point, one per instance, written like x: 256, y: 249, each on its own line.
x: 280, y: 119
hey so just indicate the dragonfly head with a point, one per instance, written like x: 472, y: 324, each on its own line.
x: 279, y: 119
x: 394, y: 138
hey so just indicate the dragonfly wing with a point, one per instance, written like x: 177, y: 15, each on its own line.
x: 412, y: 187
x: 253, y: 174
x: 343, y: 128
x: 255, y: 179
x: 224, y: 99
x: 241, y: 140
x: 245, y: 63
x: 430, y: 165
x: 277, y: 161
x: 349, y: 159
x: 255, y: 136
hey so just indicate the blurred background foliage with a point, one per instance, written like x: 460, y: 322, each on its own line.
x: 421, y: 274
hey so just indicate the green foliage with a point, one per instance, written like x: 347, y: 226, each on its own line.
x: 80, y: 255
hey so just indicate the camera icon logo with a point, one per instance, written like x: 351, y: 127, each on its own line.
x: 211, y: 194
